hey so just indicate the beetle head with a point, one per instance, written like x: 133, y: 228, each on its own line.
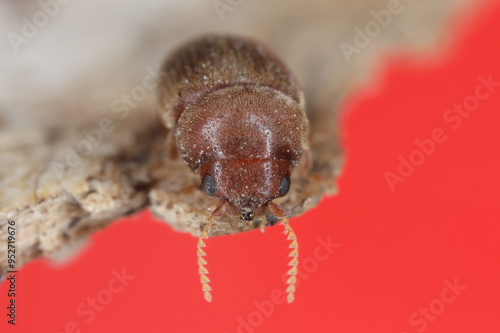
x: 247, y: 185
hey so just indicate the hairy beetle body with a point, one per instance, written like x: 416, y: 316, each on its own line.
x: 236, y: 115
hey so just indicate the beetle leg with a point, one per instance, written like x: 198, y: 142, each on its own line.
x: 262, y: 225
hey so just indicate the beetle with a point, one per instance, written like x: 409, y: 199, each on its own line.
x: 236, y: 115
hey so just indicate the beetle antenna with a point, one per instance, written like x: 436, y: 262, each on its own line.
x: 294, y: 262
x: 201, y: 262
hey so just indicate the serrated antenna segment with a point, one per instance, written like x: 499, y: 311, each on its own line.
x: 205, y: 287
x: 293, y: 263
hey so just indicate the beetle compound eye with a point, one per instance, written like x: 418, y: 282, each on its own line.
x: 209, y: 185
x: 285, y: 186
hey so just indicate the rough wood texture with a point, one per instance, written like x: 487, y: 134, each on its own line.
x: 73, y: 86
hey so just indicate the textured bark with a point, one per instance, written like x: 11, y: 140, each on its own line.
x: 130, y: 169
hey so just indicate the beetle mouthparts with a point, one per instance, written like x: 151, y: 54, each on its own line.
x: 247, y: 214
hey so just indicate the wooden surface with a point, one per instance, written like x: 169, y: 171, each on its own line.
x: 57, y: 199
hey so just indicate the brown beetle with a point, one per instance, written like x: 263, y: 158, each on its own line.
x: 236, y: 116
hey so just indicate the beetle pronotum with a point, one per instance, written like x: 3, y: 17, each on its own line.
x: 235, y: 114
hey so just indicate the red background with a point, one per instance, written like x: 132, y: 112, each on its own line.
x: 396, y: 248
